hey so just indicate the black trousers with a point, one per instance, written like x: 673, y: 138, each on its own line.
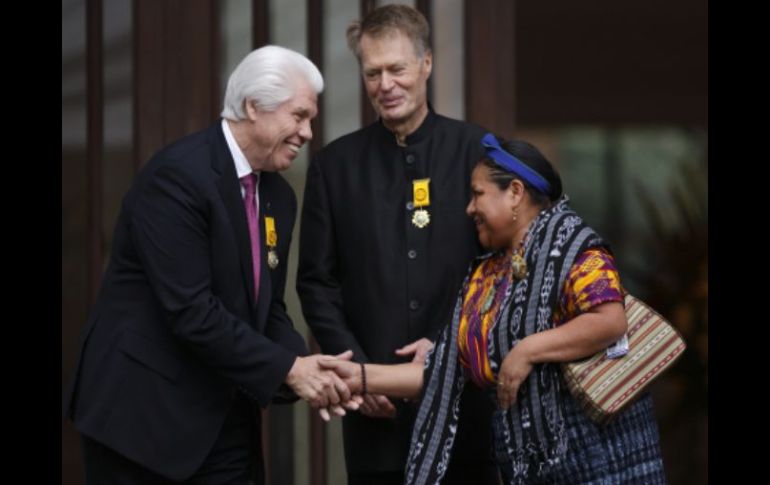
x: 235, y: 459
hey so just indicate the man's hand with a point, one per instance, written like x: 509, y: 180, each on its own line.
x: 419, y: 348
x: 353, y: 402
x: 320, y: 388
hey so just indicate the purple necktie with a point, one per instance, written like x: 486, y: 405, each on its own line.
x: 249, y: 183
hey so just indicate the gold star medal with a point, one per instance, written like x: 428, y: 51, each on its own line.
x: 421, y: 192
x: 271, y: 238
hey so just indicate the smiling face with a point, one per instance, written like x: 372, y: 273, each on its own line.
x: 277, y: 136
x: 396, y: 79
x: 491, y: 210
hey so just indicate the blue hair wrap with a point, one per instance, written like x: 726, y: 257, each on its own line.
x: 513, y: 165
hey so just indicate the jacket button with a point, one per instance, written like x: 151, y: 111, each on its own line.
x: 414, y: 305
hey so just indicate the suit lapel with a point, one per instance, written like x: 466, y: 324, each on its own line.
x: 230, y: 190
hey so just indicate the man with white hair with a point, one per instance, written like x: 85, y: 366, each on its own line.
x: 190, y: 335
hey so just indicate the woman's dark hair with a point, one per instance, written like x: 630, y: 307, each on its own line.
x: 535, y: 160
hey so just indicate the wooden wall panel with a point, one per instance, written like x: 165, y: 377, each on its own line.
x: 176, y: 70
x: 489, y: 65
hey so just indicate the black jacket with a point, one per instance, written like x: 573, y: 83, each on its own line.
x: 371, y: 281
x: 175, y: 332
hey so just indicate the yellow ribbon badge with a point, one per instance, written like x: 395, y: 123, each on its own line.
x: 421, y: 192
x: 271, y: 239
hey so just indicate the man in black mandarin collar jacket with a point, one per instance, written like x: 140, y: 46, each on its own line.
x: 373, y: 276
x: 179, y: 352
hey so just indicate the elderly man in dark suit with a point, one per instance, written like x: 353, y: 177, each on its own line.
x: 190, y: 335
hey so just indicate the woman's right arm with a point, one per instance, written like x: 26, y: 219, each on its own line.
x: 396, y: 380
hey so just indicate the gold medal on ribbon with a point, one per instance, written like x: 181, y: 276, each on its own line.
x: 271, y: 239
x: 421, y: 196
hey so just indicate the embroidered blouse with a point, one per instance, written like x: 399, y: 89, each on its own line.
x: 592, y: 280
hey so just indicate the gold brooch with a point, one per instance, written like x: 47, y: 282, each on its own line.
x: 518, y: 266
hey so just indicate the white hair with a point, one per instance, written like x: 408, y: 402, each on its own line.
x: 268, y: 77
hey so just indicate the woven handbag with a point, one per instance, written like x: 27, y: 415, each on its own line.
x: 604, y: 386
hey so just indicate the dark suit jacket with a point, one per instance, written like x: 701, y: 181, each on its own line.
x: 371, y: 281
x: 175, y: 332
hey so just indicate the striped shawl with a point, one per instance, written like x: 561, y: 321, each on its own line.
x: 534, y: 431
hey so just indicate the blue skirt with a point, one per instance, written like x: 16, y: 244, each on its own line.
x: 626, y: 451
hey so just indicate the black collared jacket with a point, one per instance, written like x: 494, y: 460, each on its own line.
x: 369, y: 279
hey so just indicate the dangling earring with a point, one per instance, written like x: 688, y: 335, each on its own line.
x: 518, y: 263
x: 515, y: 213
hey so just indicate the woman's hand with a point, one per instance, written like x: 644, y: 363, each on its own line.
x: 342, y: 371
x: 372, y: 405
x: 514, y: 370
x: 349, y: 372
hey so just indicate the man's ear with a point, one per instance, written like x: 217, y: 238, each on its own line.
x: 427, y: 61
x: 250, y: 108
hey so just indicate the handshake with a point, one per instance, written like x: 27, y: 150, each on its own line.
x: 333, y: 383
